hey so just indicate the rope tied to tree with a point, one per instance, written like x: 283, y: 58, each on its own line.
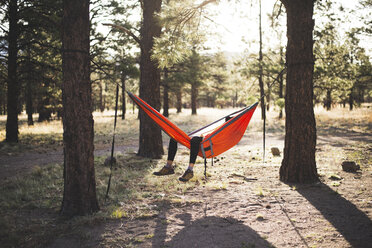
x: 113, y: 142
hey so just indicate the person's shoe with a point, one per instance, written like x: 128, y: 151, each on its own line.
x: 186, y: 176
x: 164, y: 171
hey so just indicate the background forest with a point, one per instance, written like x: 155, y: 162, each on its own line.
x: 72, y: 175
x: 194, y: 74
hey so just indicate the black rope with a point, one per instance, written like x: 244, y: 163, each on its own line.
x: 205, y: 168
x: 113, y: 141
x: 264, y: 109
x: 264, y: 134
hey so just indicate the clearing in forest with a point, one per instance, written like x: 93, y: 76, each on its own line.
x: 241, y: 204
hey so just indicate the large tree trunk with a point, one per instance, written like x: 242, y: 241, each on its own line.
x: 298, y: 164
x: 194, y: 95
x: 79, y: 197
x: 165, y: 94
x: 150, y: 143
x: 123, y: 106
x: 13, y: 85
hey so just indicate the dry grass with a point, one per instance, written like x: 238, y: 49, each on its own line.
x: 29, y: 205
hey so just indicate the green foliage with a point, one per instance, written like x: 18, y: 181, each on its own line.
x: 181, y: 33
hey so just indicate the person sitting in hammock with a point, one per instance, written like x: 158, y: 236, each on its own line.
x: 172, y: 150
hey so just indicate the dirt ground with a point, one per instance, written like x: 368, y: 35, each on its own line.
x: 243, y: 203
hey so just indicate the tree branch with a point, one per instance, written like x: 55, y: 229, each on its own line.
x: 127, y: 31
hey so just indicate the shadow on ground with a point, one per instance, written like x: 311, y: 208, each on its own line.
x: 209, y: 231
x: 353, y: 224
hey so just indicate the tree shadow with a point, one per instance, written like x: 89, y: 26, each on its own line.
x: 327, y: 133
x: 353, y: 224
x: 209, y: 231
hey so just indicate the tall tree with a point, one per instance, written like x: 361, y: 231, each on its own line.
x: 150, y: 143
x: 79, y: 195
x: 260, y: 65
x: 299, y: 164
x: 13, y: 85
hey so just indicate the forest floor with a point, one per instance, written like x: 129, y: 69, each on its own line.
x: 241, y: 204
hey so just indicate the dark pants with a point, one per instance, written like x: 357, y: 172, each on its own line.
x: 194, y: 149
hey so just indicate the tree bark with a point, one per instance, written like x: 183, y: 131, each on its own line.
x: 165, y: 94
x: 29, y: 103
x: 298, y: 165
x: 351, y: 100
x: 123, y: 106
x: 13, y: 84
x: 100, y: 102
x: 179, y: 100
x: 150, y: 142
x: 79, y: 197
x: 194, y: 95
x: 328, y: 101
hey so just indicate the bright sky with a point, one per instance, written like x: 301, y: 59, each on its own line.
x: 235, y: 25
x: 236, y: 21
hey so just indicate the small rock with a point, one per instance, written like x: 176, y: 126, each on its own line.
x: 350, y: 166
x: 275, y: 151
x: 335, y: 177
x: 108, y: 161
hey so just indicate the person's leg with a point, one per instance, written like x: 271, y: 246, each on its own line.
x: 194, y: 150
x: 172, y: 150
x: 168, y: 168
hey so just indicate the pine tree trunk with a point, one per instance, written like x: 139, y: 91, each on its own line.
x: 79, y: 197
x: 123, y: 106
x: 100, y: 102
x: 165, y: 94
x: 13, y: 85
x: 298, y: 165
x: 179, y: 100
x: 194, y: 95
x: 351, y: 100
x: 328, y: 100
x: 260, y: 76
x: 28, y: 94
x: 150, y: 143
x: 29, y: 107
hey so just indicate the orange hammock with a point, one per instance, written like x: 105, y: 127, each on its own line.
x: 218, y: 136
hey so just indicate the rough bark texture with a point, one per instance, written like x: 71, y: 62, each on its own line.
x: 298, y: 164
x: 13, y: 85
x: 150, y: 143
x: 79, y: 196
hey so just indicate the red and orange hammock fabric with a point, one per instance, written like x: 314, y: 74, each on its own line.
x: 218, y: 136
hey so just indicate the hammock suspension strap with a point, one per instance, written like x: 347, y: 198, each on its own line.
x: 113, y: 141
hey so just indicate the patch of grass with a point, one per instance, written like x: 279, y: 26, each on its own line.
x: 260, y: 192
